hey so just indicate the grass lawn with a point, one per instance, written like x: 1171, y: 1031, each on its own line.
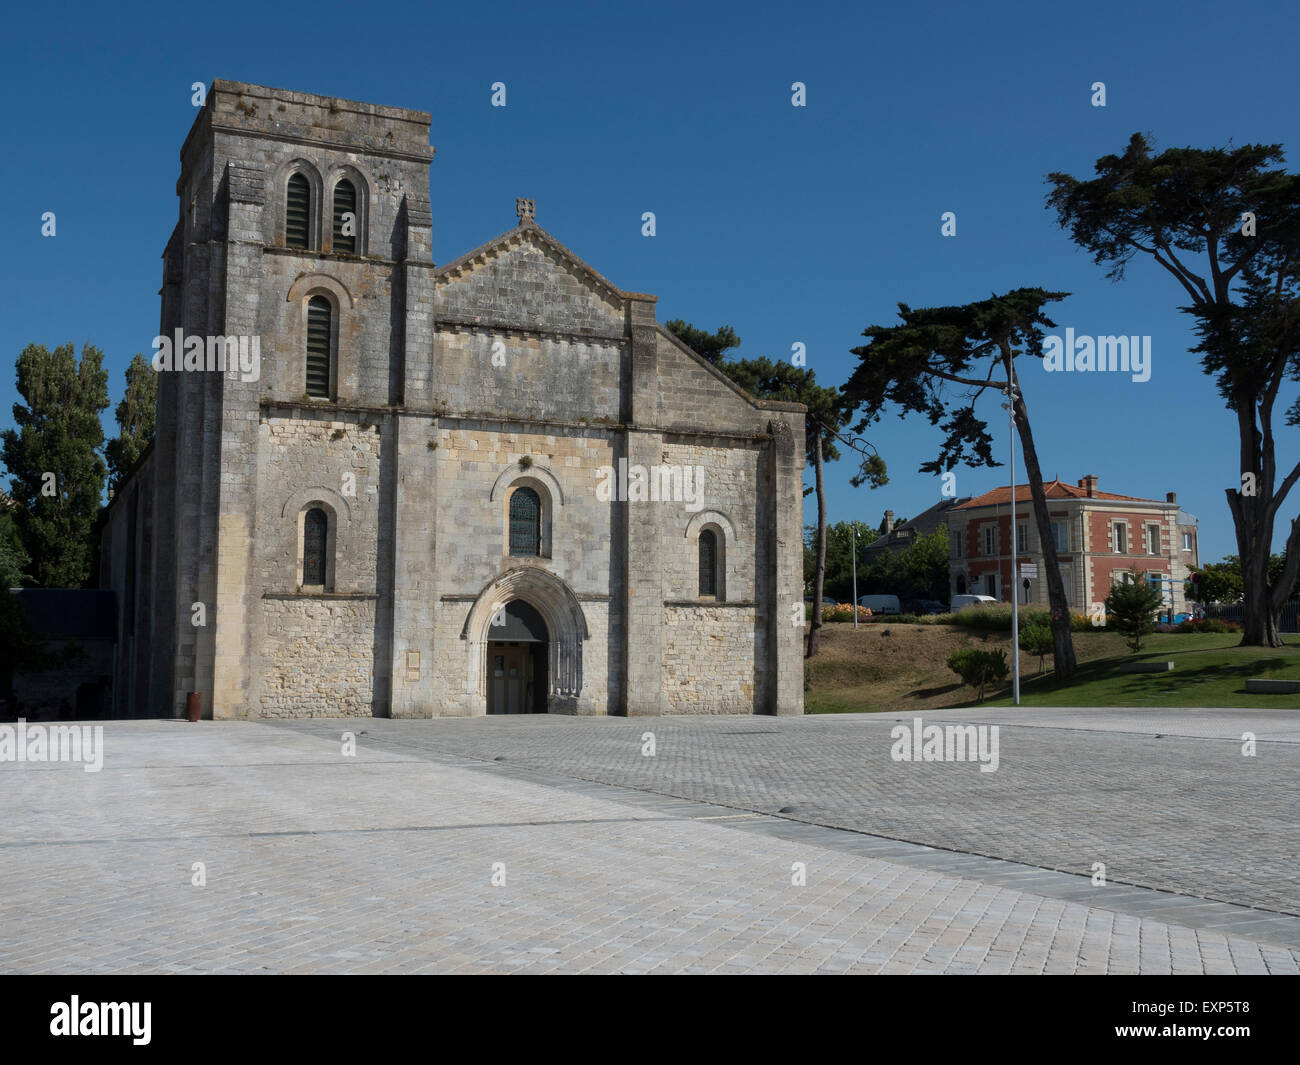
x: 1209, y: 670
x: 891, y: 667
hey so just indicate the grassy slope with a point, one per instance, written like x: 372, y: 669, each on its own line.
x: 906, y: 670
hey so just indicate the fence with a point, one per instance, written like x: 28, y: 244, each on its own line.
x: 1288, y: 621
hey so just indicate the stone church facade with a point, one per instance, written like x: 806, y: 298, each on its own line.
x: 498, y: 485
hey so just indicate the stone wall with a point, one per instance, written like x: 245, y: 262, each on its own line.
x: 318, y: 657
x: 708, y: 659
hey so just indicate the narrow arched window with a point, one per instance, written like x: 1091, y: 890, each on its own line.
x: 708, y: 563
x: 297, y: 212
x: 525, y: 522
x: 315, y: 525
x: 345, y: 217
x: 319, y: 315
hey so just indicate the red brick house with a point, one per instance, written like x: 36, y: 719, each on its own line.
x: 1098, y: 535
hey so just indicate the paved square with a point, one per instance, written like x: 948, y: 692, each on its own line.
x: 616, y: 862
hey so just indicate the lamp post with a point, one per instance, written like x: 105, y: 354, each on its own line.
x: 854, y: 530
x: 1015, y: 595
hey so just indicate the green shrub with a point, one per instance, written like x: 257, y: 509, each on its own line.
x: 1037, y: 640
x: 1130, y: 609
x: 978, y: 669
x: 1207, y: 625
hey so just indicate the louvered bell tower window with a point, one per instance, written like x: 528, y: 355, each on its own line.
x: 708, y: 562
x: 297, y: 213
x: 525, y: 523
x: 318, y: 347
x: 314, y: 526
x: 345, y: 202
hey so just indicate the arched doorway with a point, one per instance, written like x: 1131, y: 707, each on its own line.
x: 559, y: 630
x: 517, y: 658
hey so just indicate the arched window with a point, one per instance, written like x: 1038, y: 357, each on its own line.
x: 315, y: 526
x: 297, y: 212
x: 319, y: 314
x: 345, y: 202
x: 708, y: 563
x: 525, y: 522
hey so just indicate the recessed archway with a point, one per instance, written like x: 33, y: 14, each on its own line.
x: 553, y: 602
x: 517, y: 660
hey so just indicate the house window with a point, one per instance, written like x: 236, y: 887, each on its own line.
x: 990, y: 539
x: 1153, y: 539
x: 345, y: 203
x: 315, y: 526
x: 991, y: 584
x: 297, y: 212
x: 1187, y: 541
x: 1121, y: 538
x: 319, y: 315
x: 1060, y: 539
x: 525, y: 523
x: 708, y: 563
x: 1022, y: 540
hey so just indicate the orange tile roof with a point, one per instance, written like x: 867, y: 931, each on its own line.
x: 1056, y: 489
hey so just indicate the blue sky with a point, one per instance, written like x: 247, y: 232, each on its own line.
x: 789, y: 224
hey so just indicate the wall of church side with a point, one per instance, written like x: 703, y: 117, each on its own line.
x: 481, y: 370
x: 692, y: 396
x: 318, y: 657
x: 524, y: 287
x: 472, y: 542
x: 317, y: 650
x: 709, y: 657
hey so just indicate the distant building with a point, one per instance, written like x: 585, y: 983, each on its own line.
x: 899, y: 537
x: 80, y: 689
x: 1098, y: 536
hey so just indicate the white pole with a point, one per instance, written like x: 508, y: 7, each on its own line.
x: 854, y: 530
x: 1015, y: 583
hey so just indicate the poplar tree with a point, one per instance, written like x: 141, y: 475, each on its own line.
x: 52, y: 457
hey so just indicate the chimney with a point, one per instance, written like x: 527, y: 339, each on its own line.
x: 1089, y: 483
x: 1171, y: 497
x: 889, y: 522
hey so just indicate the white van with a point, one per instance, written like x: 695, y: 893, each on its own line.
x: 959, y: 601
x: 880, y: 604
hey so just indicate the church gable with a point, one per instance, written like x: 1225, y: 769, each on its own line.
x: 527, y: 280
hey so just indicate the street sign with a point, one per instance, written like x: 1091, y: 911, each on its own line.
x: 1029, y: 569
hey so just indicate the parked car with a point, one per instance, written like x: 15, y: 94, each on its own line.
x: 960, y: 601
x: 826, y: 601
x: 922, y: 607
x: 880, y: 604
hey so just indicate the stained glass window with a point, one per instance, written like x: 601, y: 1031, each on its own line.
x: 708, y: 562
x: 313, y: 546
x: 525, y: 522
